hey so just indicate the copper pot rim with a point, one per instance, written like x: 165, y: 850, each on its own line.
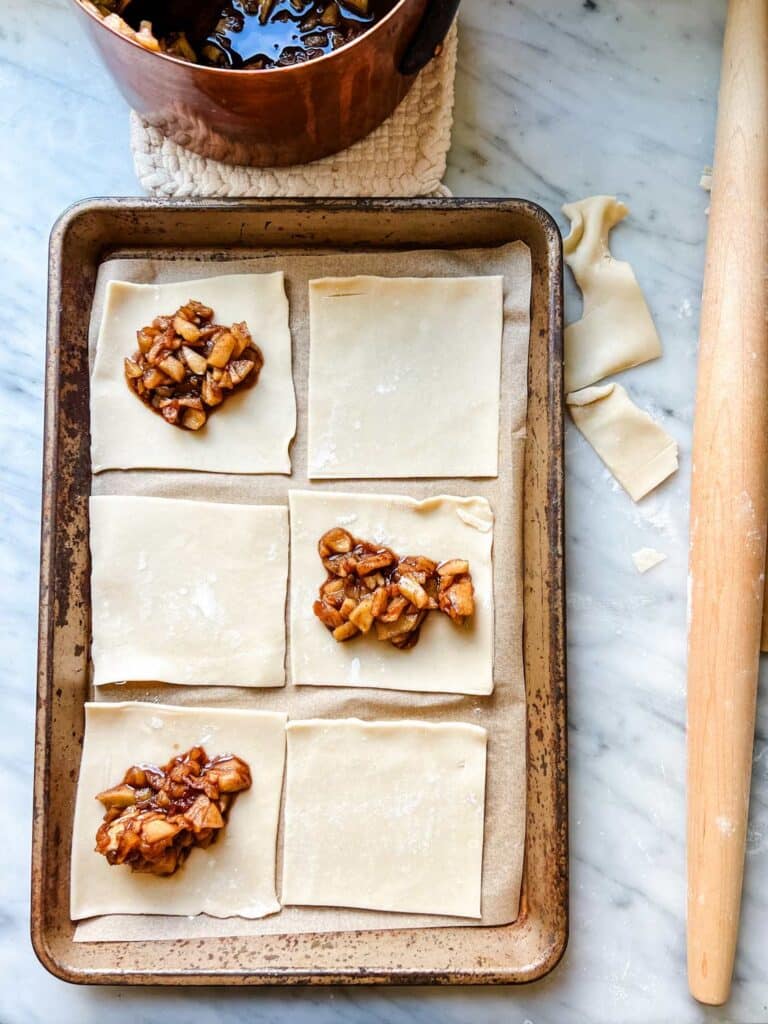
x: 245, y: 72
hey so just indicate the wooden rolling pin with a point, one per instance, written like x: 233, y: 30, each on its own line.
x: 729, y: 506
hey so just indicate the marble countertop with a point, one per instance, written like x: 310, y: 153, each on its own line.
x: 556, y: 99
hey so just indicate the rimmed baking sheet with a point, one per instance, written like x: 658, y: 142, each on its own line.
x: 519, y: 951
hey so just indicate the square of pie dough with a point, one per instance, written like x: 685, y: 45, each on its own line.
x: 385, y: 816
x: 447, y: 658
x: 404, y: 376
x: 188, y: 591
x: 235, y: 876
x: 252, y: 430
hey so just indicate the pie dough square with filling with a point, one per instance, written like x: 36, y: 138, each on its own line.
x: 235, y: 875
x: 250, y: 432
x: 188, y: 591
x: 447, y: 658
x: 404, y: 376
x: 385, y: 816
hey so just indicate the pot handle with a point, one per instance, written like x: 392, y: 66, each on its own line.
x: 427, y: 41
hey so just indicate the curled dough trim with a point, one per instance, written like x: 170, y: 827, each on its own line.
x: 616, y: 330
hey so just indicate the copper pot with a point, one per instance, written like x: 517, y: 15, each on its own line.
x: 284, y: 115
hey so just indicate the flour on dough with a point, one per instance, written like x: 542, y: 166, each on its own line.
x: 404, y: 377
x: 647, y: 558
x: 188, y: 591
x: 385, y: 816
x: 638, y: 452
x: 250, y: 433
x: 235, y: 876
x: 448, y: 658
x: 616, y: 330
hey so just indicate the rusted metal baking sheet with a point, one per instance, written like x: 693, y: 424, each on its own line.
x: 82, y: 238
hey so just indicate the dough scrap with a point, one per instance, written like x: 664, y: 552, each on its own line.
x: 404, y: 377
x: 385, y: 816
x: 616, y: 330
x: 235, y: 876
x: 251, y: 433
x: 638, y: 452
x: 188, y: 591
x: 647, y: 558
x: 447, y: 658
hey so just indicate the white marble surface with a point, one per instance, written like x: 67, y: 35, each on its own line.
x: 556, y: 99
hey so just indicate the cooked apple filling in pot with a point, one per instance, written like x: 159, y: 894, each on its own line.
x: 241, y: 34
x: 370, y: 587
x: 186, y: 365
x: 157, y: 815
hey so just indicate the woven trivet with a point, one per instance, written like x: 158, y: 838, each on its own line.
x: 405, y: 156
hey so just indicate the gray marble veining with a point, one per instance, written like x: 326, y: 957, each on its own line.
x: 555, y: 99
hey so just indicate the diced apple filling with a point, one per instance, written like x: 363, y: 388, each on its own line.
x: 186, y: 365
x: 156, y: 816
x: 370, y: 587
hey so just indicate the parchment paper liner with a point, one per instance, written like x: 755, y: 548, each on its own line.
x: 502, y: 714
